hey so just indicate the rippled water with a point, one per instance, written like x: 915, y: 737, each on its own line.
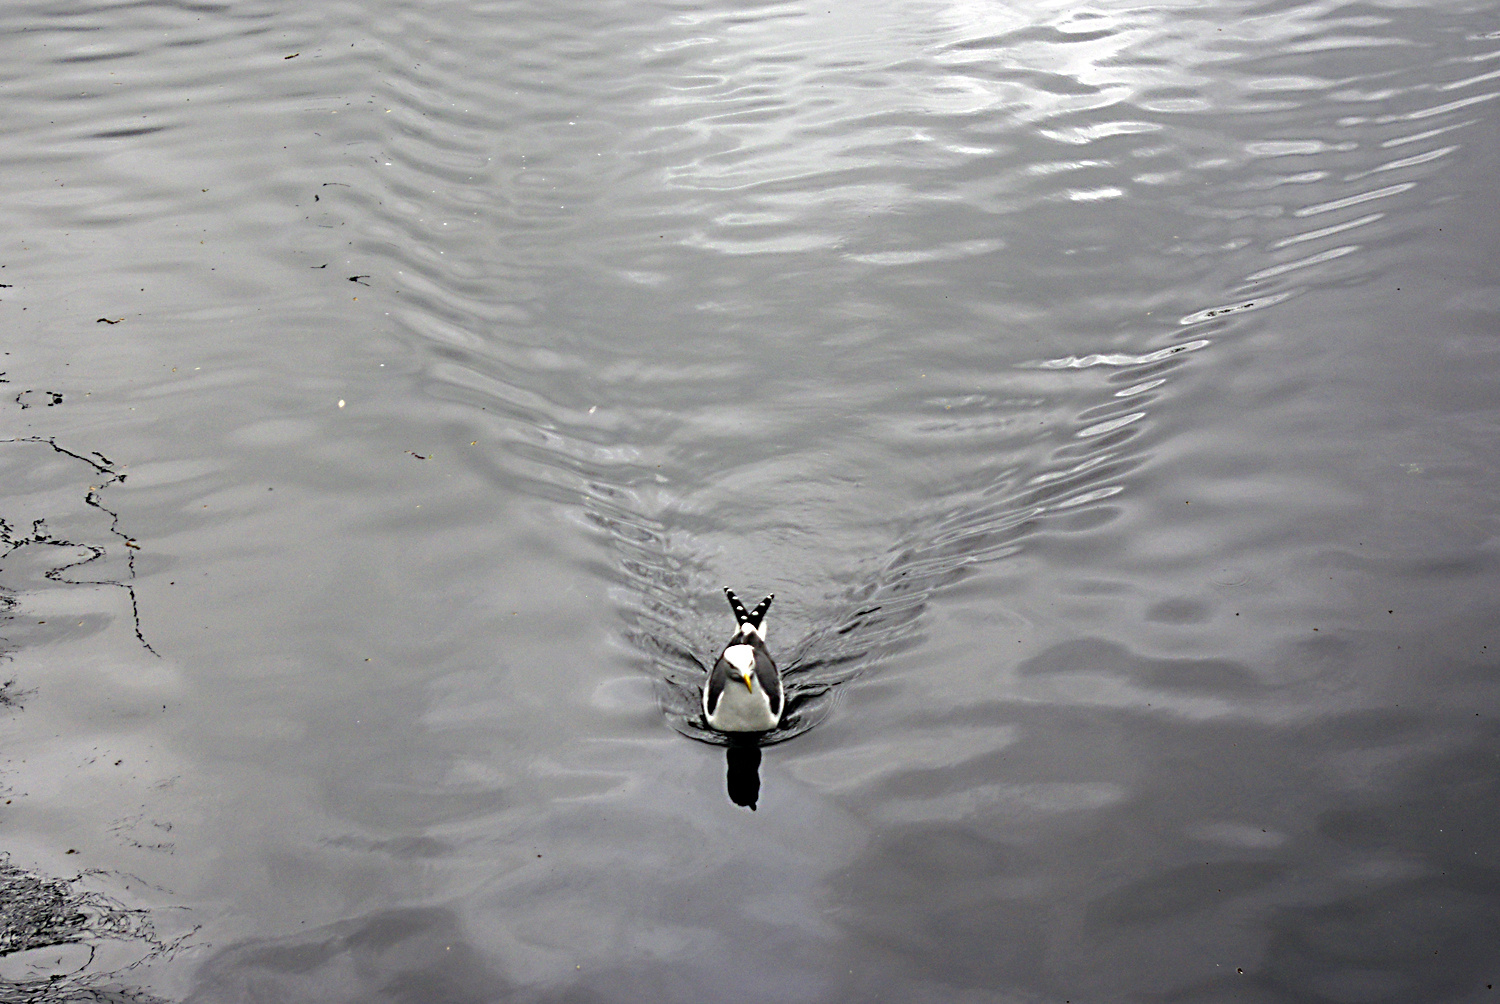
x: 1107, y: 392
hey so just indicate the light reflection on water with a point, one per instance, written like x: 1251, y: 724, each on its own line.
x: 1107, y: 395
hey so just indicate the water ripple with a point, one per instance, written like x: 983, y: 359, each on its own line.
x: 781, y: 297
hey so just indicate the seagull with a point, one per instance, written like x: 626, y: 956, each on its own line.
x: 743, y: 690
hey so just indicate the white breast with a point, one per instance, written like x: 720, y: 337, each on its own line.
x: 742, y: 710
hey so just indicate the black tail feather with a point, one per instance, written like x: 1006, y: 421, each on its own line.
x: 758, y: 615
x: 740, y: 615
x: 754, y: 617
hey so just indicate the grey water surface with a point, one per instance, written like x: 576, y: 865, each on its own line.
x: 1109, y: 392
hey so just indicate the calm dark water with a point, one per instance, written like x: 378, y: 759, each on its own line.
x: 1110, y: 394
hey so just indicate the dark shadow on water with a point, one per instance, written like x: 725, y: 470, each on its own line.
x: 743, y: 780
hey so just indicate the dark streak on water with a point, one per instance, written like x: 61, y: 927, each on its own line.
x: 1108, y: 393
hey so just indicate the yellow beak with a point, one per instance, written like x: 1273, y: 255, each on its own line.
x: 748, y: 684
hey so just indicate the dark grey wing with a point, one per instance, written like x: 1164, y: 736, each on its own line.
x: 770, y: 680
x: 714, y: 686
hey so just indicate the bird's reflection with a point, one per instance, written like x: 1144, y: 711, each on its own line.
x: 743, y: 780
